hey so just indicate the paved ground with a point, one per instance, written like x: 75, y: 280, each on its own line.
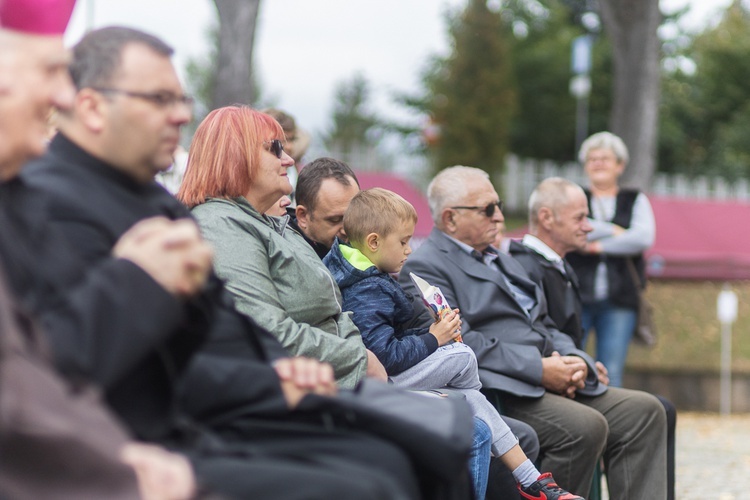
x: 713, y: 457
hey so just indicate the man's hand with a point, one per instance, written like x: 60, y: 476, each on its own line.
x: 171, y: 252
x: 375, y: 368
x: 161, y: 475
x: 301, y: 376
x: 602, y: 373
x: 593, y: 247
x: 564, y: 374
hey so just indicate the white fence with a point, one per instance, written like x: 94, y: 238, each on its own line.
x: 520, y: 178
x: 522, y: 175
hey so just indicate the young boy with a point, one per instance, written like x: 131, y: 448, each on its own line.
x: 379, y: 225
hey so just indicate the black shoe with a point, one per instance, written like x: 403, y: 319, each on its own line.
x: 545, y: 488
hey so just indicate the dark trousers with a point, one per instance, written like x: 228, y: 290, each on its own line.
x: 627, y: 428
x: 671, y: 429
x: 282, y: 478
x: 289, y: 460
x: 501, y: 484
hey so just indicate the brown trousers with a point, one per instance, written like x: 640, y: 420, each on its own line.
x: 56, y: 441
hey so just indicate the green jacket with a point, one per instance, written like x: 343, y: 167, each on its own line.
x: 279, y: 281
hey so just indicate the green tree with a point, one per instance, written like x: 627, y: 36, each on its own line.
x: 471, y: 96
x: 533, y: 40
x: 544, y: 126
x: 199, y: 74
x: 354, y: 126
x: 707, y: 111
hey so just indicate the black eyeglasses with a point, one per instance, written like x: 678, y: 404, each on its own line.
x: 489, y: 210
x: 276, y: 147
x: 161, y: 99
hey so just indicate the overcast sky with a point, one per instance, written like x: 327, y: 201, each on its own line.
x: 305, y: 47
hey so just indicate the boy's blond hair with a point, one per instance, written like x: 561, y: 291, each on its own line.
x: 376, y: 210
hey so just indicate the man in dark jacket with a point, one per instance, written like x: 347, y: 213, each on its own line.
x: 324, y: 189
x: 558, y: 225
x: 96, y: 182
x: 323, y: 192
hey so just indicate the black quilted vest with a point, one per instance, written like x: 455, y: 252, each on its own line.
x: 622, y: 290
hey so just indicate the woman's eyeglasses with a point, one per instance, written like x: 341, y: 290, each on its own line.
x: 489, y: 210
x: 276, y: 147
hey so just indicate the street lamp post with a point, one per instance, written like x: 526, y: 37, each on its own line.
x: 726, y: 311
x: 580, y: 85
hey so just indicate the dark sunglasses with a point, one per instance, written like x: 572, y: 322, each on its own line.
x: 277, y: 148
x: 489, y: 210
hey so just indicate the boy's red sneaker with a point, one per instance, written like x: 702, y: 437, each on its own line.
x: 545, y: 488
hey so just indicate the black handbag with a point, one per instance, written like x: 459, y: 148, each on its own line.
x: 434, y: 427
x: 645, y: 329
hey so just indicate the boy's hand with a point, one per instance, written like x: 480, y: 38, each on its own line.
x: 447, y: 328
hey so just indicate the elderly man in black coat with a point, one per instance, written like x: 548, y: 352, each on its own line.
x: 558, y: 224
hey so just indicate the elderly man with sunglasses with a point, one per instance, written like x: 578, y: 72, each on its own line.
x: 535, y: 371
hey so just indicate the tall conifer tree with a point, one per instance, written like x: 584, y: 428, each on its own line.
x: 471, y: 93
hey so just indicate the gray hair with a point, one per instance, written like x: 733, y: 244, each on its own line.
x: 448, y: 188
x: 97, y: 56
x: 551, y: 193
x: 604, y: 140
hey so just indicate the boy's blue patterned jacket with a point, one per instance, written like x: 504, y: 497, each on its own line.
x: 380, y: 308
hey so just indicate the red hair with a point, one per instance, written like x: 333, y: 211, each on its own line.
x: 224, y: 156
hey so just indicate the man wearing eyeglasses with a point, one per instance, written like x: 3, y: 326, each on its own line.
x: 224, y: 405
x: 534, y: 370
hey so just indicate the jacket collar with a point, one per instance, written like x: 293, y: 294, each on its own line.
x: 320, y: 249
x: 62, y: 147
x: 476, y: 269
x: 473, y: 267
x: 521, y: 248
x: 279, y: 224
x: 540, y: 247
x: 342, y: 270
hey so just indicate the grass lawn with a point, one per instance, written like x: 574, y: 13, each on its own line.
x: 689, y: 334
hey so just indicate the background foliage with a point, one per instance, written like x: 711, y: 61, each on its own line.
x: 504, y: 88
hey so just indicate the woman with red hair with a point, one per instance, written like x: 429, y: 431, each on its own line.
x: 237, y: 170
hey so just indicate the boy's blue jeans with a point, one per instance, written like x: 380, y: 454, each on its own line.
x: 479, y: 460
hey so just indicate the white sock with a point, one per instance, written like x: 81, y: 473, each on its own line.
x: 526, y: 474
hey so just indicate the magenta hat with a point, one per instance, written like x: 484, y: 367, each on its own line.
x: 36, y: 17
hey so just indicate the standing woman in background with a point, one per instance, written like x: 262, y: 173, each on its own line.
x: 624, y: 228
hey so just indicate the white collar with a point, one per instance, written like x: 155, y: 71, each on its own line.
x: 540, y: 247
